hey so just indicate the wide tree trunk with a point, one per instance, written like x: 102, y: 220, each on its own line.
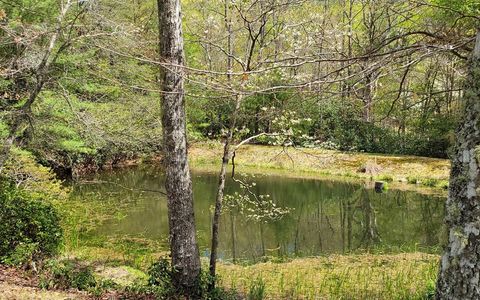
x: 183, y: 245
x: 459, y: 276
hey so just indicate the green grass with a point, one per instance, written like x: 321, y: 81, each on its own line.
x: 401, y: 276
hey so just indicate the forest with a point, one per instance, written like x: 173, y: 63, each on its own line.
x: 239, y: 149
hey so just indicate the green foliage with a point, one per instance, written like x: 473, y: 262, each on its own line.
x: 161, y: 285
x: 97, y: 92
x: 29, y: 228
x: 67, y: 274
x: 430, y: 290
x: 37, y: 181
x: 160, y: 277
x: 23, y: 254
x: 28, y: 10
x: 385, y: 177
x: 367, y: 137
x: 412, y: 180
x: 257, y: 289
x: 444, y: 184
x: 3, y: 130
x: 468, y: 7
x: 431, y: 182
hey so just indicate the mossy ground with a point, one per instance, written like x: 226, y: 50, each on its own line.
x: 405, y: 172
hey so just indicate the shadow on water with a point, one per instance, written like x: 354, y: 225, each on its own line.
x: 326, y: 216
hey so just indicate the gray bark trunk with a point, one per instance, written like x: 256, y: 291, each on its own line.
x: 221, y: 188
x: 459, y: 275
x: 183, y: 244
x: 226, y: 151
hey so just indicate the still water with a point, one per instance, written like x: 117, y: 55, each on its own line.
x: 323, y: 216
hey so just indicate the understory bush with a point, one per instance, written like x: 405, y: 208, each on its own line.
x: 67, y: 274
x: 29, y: 228
x: 74, y: 274
x: 160, y: 283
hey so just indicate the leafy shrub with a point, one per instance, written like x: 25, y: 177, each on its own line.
x: 21, y: 255
x: 160, y: 277
x: 412, y: 180
x: 385, y: 177
x: 29, y: 229
x: 67, y: 274
x: 160, y: 283
x: 431, y: 182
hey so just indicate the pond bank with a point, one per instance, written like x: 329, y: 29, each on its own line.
x: 371, y: 275
x: 400, y: 276
x: 421, y: 174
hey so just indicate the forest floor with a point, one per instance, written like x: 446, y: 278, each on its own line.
x: 422, y: 174
x: 18, y: 284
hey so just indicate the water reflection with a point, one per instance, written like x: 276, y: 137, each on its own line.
x: 326, y: 216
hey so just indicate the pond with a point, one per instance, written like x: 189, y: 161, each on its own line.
x: 321, y: 216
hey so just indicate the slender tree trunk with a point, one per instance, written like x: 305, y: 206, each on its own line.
x: 183, y: 244
x: 221, y: 189
x: 226, y: 149
x: 459, y: 276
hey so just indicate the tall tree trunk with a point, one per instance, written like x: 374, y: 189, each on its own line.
x: 459, y: 276
x: 183, y: 245
x: 226, y: 148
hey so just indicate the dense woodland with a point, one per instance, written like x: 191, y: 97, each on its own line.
x: 86, y: 85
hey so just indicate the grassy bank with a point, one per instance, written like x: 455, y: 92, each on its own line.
x: 402, y: 276
x: 403, y: 172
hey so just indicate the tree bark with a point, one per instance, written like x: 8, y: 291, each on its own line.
x: 459, y: 275
x: 178, y: 184
x: 226, y: 149
x: 221, y: 188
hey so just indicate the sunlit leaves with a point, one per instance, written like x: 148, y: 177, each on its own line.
x: 257, y: 207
